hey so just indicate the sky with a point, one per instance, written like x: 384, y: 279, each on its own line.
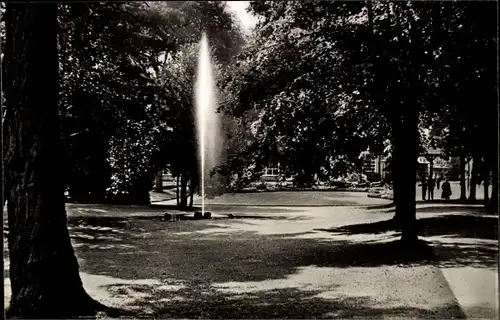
x: 239, y: 8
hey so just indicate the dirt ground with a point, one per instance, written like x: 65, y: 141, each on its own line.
x: 336, y: 258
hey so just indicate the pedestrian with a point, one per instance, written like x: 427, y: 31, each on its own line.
x: 446, y: 193
x: 430, y: 188
x: 424, y: 188
x: 438, y: 181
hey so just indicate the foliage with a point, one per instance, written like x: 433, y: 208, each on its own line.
x: 177, y: 77
x: 112, y: 99
x: 467, y: 55
x: 311, y: 113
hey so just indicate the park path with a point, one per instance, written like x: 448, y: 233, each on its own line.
x: 280, y: 261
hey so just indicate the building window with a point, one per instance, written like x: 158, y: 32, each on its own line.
x: 272, y: 170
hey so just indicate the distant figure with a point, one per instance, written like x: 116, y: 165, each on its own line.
x: 438, y: 182
x: 424, y: 188
x: 431, y: 184
x: 446, y: 193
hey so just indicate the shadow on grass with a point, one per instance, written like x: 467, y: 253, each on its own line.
x: 468, y: 204
x: 381, y: 206
x: 455, y: 240
x: 465, y: 226
x: 274, y: 304
x: 174, y: 207
x: 452, y: 201
x: 156, y: 253
x: 233, y: 208
x: 449, y: 208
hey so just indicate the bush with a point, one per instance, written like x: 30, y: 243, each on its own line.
x: 133, y: 161
x: 303, y: 181
x: 373, y: 177
x: 261, y: 186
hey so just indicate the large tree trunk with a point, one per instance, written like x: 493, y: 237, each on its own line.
x: 44, y: 272
x: 405, y: 169
x: 159, y: 181
x: 407, y: 138
x: 474, y: 178
x: 463, y: 189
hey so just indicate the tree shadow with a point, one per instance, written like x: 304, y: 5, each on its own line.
x: 465, y: 226
x: 452, y: 201
x: 234, y: 208
x: 381, y: 206
x: 452, y: 240
x: 158, y: 253
x: 448, y: 208
x: 205, y: 302
x: 174, y: 207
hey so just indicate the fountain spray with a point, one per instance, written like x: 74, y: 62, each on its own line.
x: 206, y: 115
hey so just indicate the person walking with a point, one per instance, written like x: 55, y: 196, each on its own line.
x: 446, y: 193
x: 431, y: 183
x: 424, y: 188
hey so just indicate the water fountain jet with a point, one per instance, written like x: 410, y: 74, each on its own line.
x: 206, y: 116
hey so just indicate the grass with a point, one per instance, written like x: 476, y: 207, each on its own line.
x: 294, y: 199
x: 272, y: 263
x: 173, y: 254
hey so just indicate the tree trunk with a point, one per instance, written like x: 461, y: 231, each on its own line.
x: 177, y: 194
x: 486, y: 181
x: 463, y: 190
x: 405, y: 157
x: 486, y: 185
x: 183, y: 202
x: 192, y: 187
x: 44, y: 274
x: 396, y: 172
x: 474, y: 178
x: 493, y: 203
x: 191, y: 195
x: 407, y: 140
x: 159, y: 181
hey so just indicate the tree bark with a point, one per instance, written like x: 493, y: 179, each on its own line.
x: 159, y: 181
x: 474, y: 178
x: 407, y: 140
x: 405, y: 157
x: 463, y: 190
x: 44, y: 274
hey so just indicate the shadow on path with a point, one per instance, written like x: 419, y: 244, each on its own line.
x: 458, y: 240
